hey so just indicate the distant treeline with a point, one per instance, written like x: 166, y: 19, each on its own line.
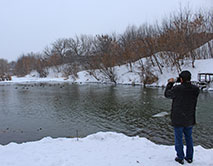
x: 184, y: 35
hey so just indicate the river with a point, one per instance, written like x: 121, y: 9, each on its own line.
x: 30, y: 112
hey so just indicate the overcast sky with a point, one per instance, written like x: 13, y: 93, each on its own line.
x: 31, y: 25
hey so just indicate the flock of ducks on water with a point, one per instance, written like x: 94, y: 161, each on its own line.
x: 8, y: 130
x: 27, y: 86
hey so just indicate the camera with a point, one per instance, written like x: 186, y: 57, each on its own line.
x: 177, y: 79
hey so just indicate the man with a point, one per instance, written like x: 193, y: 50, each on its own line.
x: 184, y: 101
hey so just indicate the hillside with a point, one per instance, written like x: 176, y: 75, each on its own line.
x: 123, y: 74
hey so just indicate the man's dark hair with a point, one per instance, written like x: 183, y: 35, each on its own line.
x: 185, y: 75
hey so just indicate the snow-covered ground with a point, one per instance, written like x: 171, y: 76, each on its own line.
x: 100, y: 149
x: 123, y: 75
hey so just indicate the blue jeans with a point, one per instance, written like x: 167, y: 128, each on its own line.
x: 187, y: 131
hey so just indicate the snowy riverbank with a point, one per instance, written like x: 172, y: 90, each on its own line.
x: 100, y: 149
x: 123, y: 75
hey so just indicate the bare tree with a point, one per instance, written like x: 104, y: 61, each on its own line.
x: 105, y: 56
x: 3, y: 66
x: 146, y: 73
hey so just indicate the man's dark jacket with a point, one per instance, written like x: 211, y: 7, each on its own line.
x: 184, y: 101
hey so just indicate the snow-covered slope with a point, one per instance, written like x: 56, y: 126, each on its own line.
x: 123, y: 74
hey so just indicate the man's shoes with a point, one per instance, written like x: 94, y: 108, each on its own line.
x: 188, y: 160
x: 181, y: 161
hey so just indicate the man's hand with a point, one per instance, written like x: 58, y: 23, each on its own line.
x: 171, y: 80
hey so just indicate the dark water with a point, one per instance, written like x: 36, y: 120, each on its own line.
x: 32, y: 111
